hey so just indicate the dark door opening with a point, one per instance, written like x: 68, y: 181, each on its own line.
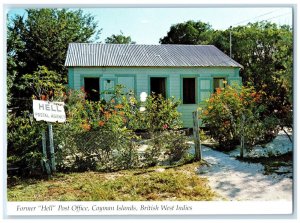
x: 158, y: 86
x: 189, y: 90
x: 91, y: 87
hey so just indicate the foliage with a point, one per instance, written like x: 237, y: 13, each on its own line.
x: 159, y: 114
x: 101, y: 134
x: 233, y: 112
x: 265, y: 50
x: 13, y: 45
x: 44, y: 84
x: 36, y: 50
x: 176, y: 146
x: 41, y: 38
x: 24, y: 133
x: 134, y: 185
x: 99, y: 137
x: 10, y: 82
x: 190, y: 32
x: 119, y: 39
x: 170, y: 146
x: 24, y: 143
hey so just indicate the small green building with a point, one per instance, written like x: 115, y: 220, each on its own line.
x: 188, y: 72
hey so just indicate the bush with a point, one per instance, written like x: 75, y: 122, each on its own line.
x: 99, y: 135
x: 160, y: 114
x: 232, y: 112
x: 170, y: 146
x: 24, y: 143
x: 177, y: 146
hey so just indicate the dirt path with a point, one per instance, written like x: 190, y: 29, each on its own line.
x: 235, y: 180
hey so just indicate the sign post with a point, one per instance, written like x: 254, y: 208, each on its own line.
x: 49, y: 112
x: 44, y: 163
x: 242, y: 136
x: 52, y: 155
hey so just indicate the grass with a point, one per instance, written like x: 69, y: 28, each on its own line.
x: 154, y: 184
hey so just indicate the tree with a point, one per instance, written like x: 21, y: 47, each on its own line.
x: 190, y: 32
x: 14, y: 46
x: 119, y: 39
x: 41, y: 39
x: 24, y: 134
x: 44, y: 84
x: 231, y: 116
x: 36, y: 50
x: 265, y: 50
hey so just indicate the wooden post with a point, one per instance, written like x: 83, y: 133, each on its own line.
x: 44, y: 157
x: 198, y: 153
x: 242, y: 137
x: 44, y: 161
x: 52, y: 155
x: 44, y: 144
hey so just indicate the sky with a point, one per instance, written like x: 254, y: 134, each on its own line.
x: 148, y: 25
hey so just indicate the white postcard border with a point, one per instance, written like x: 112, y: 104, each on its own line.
x: 149, y: 208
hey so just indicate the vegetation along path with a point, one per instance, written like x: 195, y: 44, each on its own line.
x: 233, y: 179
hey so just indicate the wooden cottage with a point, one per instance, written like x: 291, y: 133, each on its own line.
x: 188, y: 72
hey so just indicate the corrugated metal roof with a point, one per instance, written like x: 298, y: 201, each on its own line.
x: 135, y: 55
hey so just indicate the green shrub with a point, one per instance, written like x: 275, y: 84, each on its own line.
x: 177, y: 146
x: 160, y: 114
x: 232, y: 112
x: 103, y: 134
x: 99, y: 135
x: 170, y: 146
x: 24, y: 143
x: 96, y: 136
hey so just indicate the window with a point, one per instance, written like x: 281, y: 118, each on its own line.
x: 158, y: 86
x: 189, y: 90
x: 91, y: 87
x: 219, y: 83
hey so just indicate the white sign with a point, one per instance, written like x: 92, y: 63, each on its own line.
x: 49, y: 111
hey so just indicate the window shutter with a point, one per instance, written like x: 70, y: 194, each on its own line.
x: 127, y: 82
x: 107, y: 86
x: 205, y: 88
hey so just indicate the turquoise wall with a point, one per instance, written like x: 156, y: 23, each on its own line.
x: 139, y: 79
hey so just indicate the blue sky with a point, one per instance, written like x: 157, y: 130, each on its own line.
x: 147, y: 25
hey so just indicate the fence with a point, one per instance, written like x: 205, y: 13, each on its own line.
x: 87, y: 149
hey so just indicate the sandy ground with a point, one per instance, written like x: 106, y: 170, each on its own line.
x: 235, y: 180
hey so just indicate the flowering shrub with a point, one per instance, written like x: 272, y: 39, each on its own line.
x: 101, y: 135
x: 160, y: 114
x: 98, y: 137
x: 232, y: 112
